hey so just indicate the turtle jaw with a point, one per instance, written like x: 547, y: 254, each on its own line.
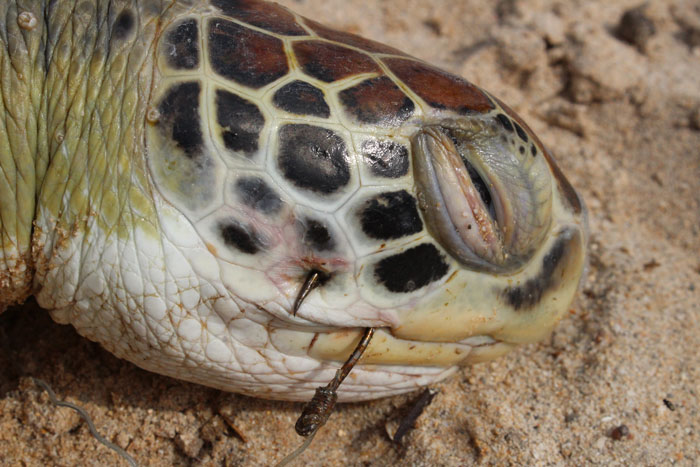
x: 473, y: 317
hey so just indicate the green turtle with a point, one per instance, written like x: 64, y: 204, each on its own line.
x: 173, y: 173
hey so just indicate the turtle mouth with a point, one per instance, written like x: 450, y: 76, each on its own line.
x: 485, y: 199
x: 389, y: 349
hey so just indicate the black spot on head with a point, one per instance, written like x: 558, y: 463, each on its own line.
x: 301, y: 98
x: 316, y: 235
x: 522, y: 149
x: 240, y: 237
x: 533, y: 150
x: 505, y: 121
x: 412, y: 269
x: 519, y: 130
x: 181, y: 46
x: 179, y: 111
x: 390, y: 215
x: 240, y: 120
x: 255, y: 193
x: 530, y: 293
x: 123, y: 25
x: 313, y: 158
x: 385, y: 158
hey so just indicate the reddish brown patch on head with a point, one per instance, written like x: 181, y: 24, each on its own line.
x: 439, y: 88
x: 245, y: 56
x: 330, y: 62
x: 565, y: 187
x: 377, y: 101
x: 269, y: 16
x: 351, y: 39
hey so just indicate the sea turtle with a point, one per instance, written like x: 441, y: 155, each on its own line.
x: 173, y: 173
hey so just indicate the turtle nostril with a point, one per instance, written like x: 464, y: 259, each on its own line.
x: 481, y: 187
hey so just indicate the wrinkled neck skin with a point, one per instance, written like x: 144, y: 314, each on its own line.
x: 21, y: 90
x: 76, y: 77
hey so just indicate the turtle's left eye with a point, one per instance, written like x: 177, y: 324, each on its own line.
x: 485, y: 191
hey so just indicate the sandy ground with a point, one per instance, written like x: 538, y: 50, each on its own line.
x: 619, y: 104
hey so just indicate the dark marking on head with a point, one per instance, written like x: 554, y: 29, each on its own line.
x: 302, y: 98
x: 313, y: 158
x: 179, y: 116
x: 533, y: 150
x: 385, y: 158
x: 411, y: 270
x: 124, y: 25
x: 377, y: 101
x: 505, y: 121
x: 438, y: 88
x: 257, y: 194
x: 245, y: 56
x: 522, y: 149
x: 351, y: 39
x: 181, y: 46
x: 265, y: 15
x: 331, y: 62
x: 316, y: 235
x: 240, y: 121
x: 240, y: 237
x: 530, y: 293
x: 390, y: 215
x: 519, y: 130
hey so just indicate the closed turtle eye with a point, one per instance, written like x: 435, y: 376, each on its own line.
x: 485, y: 191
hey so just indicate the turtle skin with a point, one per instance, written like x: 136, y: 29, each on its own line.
x: 187, y: 168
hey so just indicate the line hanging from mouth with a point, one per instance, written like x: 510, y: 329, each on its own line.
x: 313, y: 279
x: 317, y: 411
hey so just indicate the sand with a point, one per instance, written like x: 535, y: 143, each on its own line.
x: 618, y: 102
